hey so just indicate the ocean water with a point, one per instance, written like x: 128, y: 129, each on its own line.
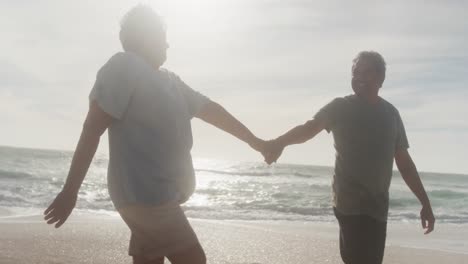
x: 30, y: 179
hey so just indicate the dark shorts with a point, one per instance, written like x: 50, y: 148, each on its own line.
x: 362, y: 238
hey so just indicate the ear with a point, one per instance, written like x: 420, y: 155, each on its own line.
x: 381, y: 80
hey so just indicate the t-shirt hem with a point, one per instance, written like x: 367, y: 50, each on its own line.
x: 378, y: 218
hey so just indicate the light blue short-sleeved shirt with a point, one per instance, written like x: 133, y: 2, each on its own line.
x: 151, y: 138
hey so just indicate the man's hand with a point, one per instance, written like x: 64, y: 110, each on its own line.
x: 410, y: 175
x: 97, y: 121
x: 257, y: 144
x: 297, y: 135
x: 59, y: 210
x: 427, y: 219
x: 272, y: 151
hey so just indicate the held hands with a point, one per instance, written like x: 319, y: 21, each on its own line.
x: 271, y: 149
x: 59, y: 210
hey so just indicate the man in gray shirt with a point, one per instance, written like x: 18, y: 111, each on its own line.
x: 147, y: 111
x: 368, y: 134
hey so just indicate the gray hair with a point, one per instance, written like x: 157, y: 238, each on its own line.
x: 376, y: 59
x: 137, y: 23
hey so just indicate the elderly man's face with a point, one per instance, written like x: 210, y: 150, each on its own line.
x: 365, y: 78
x: 155, y: 47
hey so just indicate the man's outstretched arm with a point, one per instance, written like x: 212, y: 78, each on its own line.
x: 410, y: 175
x: 97, y: 121
x: 215, y: 114
x: 297, y: 135
x: 301, y: 133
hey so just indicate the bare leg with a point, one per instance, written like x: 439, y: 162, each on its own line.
x: 142, y: 260
x: 192, y: 255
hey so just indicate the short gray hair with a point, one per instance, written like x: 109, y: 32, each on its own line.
x: 137, y: 23
x: 376, y: 59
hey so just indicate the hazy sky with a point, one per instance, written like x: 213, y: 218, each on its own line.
x: 272, y: 64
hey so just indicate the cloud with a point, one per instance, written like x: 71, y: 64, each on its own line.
x: 12, y: 76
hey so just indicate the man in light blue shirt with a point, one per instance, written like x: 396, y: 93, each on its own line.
x: 147, y: 111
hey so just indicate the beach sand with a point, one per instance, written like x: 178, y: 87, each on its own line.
x: 104, y: 239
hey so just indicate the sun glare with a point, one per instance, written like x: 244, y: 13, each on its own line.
x: 196, y: 16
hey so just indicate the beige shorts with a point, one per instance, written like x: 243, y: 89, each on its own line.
x: 157, y: 231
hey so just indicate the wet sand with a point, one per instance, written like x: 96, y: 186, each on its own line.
x: 104, y: 239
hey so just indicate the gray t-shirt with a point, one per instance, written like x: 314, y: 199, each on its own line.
x: 151, y: 138
x: 366, y: 137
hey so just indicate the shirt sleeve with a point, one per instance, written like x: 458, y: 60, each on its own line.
x: 114, y: 86
x: 401, y: 139
x: 194, y: 100
x: 329, y: 114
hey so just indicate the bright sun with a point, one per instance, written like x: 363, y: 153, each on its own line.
x: 192, y: 15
